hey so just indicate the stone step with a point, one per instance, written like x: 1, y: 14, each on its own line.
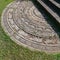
x: 55, y: 3
x: 52, y: 6
x: 49, y: 10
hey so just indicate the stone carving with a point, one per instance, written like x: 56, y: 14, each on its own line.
x: 26, y: 25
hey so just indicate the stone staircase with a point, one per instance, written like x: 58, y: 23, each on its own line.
x: 52, y: 7
x: 56, y: 3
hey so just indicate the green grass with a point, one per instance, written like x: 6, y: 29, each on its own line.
x: 11, y: 51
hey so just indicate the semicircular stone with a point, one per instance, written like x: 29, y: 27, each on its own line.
x: 25, y: 24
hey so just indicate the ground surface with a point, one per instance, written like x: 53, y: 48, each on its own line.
x: 11, y: 51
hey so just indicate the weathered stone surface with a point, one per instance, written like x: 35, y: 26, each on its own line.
x: 23, y: 22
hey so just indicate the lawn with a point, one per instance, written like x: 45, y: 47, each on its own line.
x: 9, y: 50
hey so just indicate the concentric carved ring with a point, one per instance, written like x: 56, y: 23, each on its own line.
x: 26, y: 25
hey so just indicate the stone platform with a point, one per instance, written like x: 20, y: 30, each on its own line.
x: 27, y: 26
